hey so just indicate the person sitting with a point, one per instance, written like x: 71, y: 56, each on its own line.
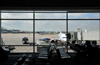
x: 95, y: 48
x: 88, y: 46
x: 73, y: 42
x: 91, y: 52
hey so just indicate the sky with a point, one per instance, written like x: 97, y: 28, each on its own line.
x: 50, y: 25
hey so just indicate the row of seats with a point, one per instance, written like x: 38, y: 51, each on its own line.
x: 29, y: 60
x: 61, y: 53
x: 21, y: 60
x: 45, y: 54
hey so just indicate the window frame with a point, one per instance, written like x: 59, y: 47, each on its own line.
x: 33, y: 11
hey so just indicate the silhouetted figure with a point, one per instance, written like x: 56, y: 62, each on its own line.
x: 52, y: 41
x: 68, y: 43
x: 94, y: 43
x: 73, y: 42
x: 3, y: 54
x: 78, y: 54
x: 88, y: 46
x: 91, y: 52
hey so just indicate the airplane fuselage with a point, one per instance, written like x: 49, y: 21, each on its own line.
x: 62, y: 37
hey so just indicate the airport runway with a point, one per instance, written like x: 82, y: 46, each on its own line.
x: 16, y: 39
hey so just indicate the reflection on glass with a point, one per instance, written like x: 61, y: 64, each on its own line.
x: 16, y: 15
x: 83, y: 15
x: 13, y: 31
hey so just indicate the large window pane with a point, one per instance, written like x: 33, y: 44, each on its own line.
x: 83, y: 30
x: 14, y: 11
x: 16, y: 15
x: 48, y: 29
x: 83, y: 15
x: 50, y: 15
x: 50, y: 11
x: 14, y: 30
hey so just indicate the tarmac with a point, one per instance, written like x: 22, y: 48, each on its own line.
x: 16, y: 39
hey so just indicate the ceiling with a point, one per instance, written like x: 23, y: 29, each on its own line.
x: 69, y: 5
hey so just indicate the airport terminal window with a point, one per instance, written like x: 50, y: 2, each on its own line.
x: 83, y: 16
x: 83, y: 26
x: 18, y: 24
x: 50, y: 15
x: 48, y: 29
x: 15, y: 25
x: 17, y: 15
x: 39, y: 25
x: 49, y: 24
x: 14, y: 30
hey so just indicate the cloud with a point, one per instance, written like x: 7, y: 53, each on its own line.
x: 50, y: 15
x: 18, y: 24
x: 75, y: 14
x: 83, y: 15
x: 96, y: 16
x: 91, y: 25
x: 50, y: 25
x: 17, y: 15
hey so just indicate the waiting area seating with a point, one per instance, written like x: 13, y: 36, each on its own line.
x: 21, y: 60
x: 55, y: 55
x: 61, y: 52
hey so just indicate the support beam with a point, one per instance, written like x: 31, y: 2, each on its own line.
x: 0, y: 27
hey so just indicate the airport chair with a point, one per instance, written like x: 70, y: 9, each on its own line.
x: 46, y: 58
x: 26, y: 62
x: 20, y: 60
x: 63, y: 57
x: 61, y: 53
x: 29, y: 60
x: 44, y: 51
x: 47, y: 55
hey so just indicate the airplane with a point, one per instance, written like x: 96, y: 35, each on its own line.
x: 62, y: 38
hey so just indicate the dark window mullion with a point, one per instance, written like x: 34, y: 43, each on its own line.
x: 33, y: 32
x: 49, y: 19
x: 16, y: 19
x: 67, y: 29
x: 0, y: 27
